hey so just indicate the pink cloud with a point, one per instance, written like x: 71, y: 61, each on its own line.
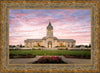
x: 21, y: 14
x: 71, y: 10
x: 66, y: 27
x: 12, y: 22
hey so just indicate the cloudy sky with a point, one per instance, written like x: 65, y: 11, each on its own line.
x: 32, y: 23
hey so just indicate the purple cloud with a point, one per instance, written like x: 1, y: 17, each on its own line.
x: 67, y: 24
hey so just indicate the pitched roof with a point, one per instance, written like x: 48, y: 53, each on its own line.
x: 44, y: 38
x: 49, y: 26
x: 69, y: 40
x: 33, y: 40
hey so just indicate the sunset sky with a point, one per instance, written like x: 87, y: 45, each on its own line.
x: 67, y: 23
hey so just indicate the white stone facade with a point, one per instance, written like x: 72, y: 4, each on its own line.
x: 50, y: 41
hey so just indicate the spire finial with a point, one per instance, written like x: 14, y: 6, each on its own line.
x: 49, y: 23
x: 49, y: 26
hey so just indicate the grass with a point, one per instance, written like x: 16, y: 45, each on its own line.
x: 52, y: 52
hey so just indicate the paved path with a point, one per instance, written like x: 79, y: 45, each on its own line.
x: 67, y: 60
x: 76, y: 60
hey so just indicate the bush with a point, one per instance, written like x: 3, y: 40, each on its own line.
x: 33, y: 49
x: 21, y: 55
x: 39, y: 49
x: 78, y: 56
x: 66, y: 48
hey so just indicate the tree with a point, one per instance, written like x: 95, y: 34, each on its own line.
x: 89, y: 45
x: 20, y: 45
x: 86, y: 46
x: 13, y: 46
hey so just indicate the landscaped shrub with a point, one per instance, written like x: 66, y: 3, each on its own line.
x: 66, y: 48
x: 33, y: 49
x: 78, y: 56
x: 21, y: 55
x: 39, y: 49
x: 62, y: 48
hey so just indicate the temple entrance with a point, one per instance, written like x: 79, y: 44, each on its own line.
x: 49, y: 44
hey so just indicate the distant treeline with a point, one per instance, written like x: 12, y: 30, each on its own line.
x: 77, y: 46
x: 86, y: 46
x: 16, y: 45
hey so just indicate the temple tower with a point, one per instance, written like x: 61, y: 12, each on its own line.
x: 49, y: 30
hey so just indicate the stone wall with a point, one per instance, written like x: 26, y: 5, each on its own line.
x: 45, y: 43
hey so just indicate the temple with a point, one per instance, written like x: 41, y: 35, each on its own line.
x: 49, y: 41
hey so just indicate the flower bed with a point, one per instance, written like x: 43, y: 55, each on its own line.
x: 50, y: 59
x: 75, y: 56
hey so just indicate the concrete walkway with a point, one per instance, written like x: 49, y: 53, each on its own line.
x: 76, y: 60
x: 66, y: 60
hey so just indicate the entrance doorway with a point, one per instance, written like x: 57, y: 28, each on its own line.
x: 49, y: 44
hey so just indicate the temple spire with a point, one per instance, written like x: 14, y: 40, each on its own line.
x: 49, y: 30
x: 49, y: 26
x: 49, y: 23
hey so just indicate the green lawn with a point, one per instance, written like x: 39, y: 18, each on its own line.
x: 52, y: 52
